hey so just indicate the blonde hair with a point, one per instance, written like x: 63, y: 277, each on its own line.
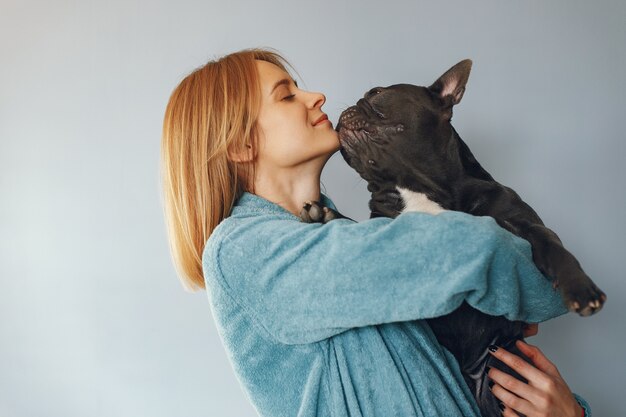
x: 212, y: 111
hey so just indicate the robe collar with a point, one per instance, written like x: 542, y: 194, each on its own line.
x: 251, y: 203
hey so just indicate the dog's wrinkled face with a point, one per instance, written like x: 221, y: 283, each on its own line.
x: 401, y: 116
x: 400, y: 126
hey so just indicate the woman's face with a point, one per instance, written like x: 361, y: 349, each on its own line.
x: 288, y: 136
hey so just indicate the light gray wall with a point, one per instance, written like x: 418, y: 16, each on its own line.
x: 93, y: 321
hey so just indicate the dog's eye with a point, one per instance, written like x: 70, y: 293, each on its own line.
x: 374, y: 91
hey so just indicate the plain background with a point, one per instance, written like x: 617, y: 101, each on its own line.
x: 93, y: 320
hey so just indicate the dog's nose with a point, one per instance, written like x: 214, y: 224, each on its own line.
x: 374, y: 91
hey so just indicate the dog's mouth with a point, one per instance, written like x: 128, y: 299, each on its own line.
x: 354, y: 122
x: 352, y: 129
x: 363, y: 122
x: 365, y: 134
x: 357, y: 116
x: 350, y: 139
x: 351, y: 119
x: 358, y: 134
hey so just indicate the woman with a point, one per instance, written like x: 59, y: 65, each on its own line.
x: 326, y: 319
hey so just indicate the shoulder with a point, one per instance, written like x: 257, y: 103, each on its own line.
x: 244, y: 235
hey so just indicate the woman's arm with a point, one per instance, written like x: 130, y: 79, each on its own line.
x: 306, y: 282
x: 545, y: 394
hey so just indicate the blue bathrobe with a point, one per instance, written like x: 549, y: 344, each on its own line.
x: 327, y: 319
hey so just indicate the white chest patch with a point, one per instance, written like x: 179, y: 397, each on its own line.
x: 414, y: 201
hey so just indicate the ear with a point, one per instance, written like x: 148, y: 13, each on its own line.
x: 451, y: 85
x: 244, y: 155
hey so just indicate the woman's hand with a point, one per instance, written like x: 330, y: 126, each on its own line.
x: 530, y: 329
x: 545, y: 394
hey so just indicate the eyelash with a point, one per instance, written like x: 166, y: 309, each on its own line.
x: 289, y: 97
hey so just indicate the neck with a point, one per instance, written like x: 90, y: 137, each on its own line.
x: 291, y: 187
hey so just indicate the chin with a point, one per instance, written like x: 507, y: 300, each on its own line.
x: 330, y: 150
x: 334, y: 145
x: 334, y: 139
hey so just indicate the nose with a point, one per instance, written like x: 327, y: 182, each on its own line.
x: 316, y: 99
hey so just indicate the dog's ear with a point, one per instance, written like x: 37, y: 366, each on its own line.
x: 451, y: 85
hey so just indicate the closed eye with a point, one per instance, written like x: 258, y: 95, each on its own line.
x: 289, y: 97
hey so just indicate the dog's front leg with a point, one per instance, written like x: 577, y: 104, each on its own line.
x: 552, y: 259
x: 315, y: 212
x: 490, y: 198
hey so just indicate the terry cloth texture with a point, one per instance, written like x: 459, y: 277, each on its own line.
x: 327, y: 319
x: 580, y: 400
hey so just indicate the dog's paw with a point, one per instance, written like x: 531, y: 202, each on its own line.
x: 315, y: 212
x: 583, y: 296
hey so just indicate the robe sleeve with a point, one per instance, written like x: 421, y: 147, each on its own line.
x: 306, y: 282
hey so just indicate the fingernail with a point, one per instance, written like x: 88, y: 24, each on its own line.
x: 501, y: 406
x: 492, y: 348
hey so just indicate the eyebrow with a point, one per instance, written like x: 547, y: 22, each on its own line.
x: 284, y: 81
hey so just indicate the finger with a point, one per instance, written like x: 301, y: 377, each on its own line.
x: 538, y: 358
x: 512, y: 401
x: 508, y: 412
x: 514, y: 385
x: 518, y: 364
x: 531, y: 329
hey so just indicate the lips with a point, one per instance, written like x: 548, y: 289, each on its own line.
x: 320, y: 119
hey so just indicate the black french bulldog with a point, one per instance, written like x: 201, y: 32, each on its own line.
x: 400, y: 140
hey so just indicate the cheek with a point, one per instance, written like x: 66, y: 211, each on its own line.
x: 290, y: 151
x: 284, y: 125
x: 283, y: 147
x: 285, y: 137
